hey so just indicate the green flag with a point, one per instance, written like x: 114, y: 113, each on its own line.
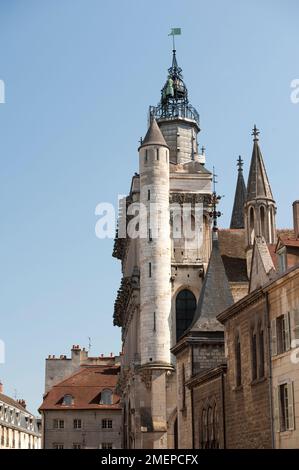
x: 175, y: 32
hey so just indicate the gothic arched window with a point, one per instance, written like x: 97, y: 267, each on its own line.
x: 261, y: 351
x: 204, y: 429
x: 263, y: 221
x: 216, y: 427
x: 185, y: 309
x: 251, y: 225
x: 210, y: 428
x: 272, y: 225
x: 238, y: 361
x: 254, y: 354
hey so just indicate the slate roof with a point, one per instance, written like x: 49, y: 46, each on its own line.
x: 85, y: 387
x: 237, y: 220
x: 10, y: 401
x: 215, y: 294
x: 154, y: 136
x: 258, y: 185
x: 232, y: 249
x: 23, y: 416
x: 235, y: 268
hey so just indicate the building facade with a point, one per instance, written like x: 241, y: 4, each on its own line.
x: 283, y: 300
x: 198, y: 308
x: 251, y: 401
x: 81, y: 411
x: 19, y: 429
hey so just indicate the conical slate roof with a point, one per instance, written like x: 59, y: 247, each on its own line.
x: 258, y: 185
x: 154, y: 136
x: 237, y: 220
x: 215, y: 294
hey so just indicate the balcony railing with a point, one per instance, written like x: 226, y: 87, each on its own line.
x: 174, y: 110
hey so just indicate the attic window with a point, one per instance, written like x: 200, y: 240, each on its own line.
x: 106, y: 397
x: 282, y: 260
x: 68, y: 400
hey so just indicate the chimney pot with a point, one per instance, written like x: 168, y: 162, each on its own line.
x: 1, y: 387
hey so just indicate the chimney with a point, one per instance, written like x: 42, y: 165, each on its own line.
x: 296, y: 218
x: 1, y: 387
x: 22, y: 403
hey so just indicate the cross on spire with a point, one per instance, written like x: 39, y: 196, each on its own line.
x: 214, y: 201
x: 240, y: 163
x: 255, y: 133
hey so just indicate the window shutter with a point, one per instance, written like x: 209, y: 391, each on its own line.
x: 274, y: 337
x: 286, y: 320
x: 291, y: 406
x: 296, y: 323
x: 276, y: 410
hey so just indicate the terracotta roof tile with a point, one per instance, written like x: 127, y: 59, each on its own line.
x: 285, y: 233
x: 290, y: 242
x: 85, y: 386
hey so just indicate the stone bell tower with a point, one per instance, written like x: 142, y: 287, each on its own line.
x: 162, y: 275
x: 178, y: 120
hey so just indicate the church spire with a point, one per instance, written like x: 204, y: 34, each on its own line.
x: 175, y: 69
x: 237, y: 220
x: 260, y: 208
x: 258, y: 185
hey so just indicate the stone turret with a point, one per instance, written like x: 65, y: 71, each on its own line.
x: 155, y: 248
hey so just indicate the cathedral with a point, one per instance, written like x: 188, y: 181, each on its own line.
x: 175, y: 286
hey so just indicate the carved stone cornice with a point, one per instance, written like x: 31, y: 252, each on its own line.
x: 127, y: 286
x: 190, y: 198
x: 121, y: 244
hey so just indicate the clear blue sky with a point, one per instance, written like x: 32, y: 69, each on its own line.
x: 80, y: 75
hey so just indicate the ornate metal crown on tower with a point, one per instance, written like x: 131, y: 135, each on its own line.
x: 174, y: 101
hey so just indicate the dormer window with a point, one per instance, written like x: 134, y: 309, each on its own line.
x: 68, y: 400
x: 282, y: 260
x: 106, y: 397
